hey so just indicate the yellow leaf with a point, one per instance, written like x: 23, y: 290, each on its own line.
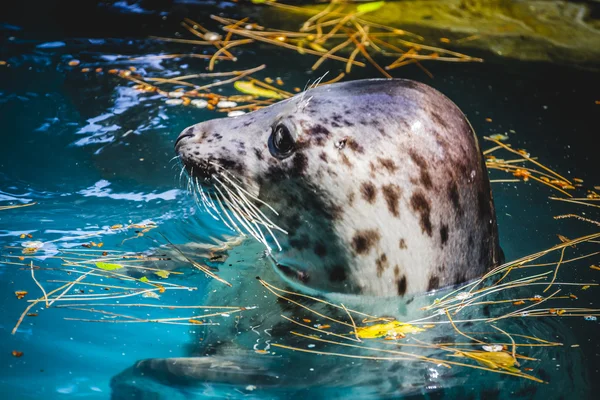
x: 369, y: 7
x: 143, y: 279
x: 162, y: 273
x: 248, y: 87
x: 108, y: 266
x: 500, y: 137
x: 390, y: 329
x: 493, y: 360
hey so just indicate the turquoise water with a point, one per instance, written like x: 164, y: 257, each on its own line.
x: 92, y: 152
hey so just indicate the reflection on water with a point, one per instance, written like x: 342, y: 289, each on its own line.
x: 94, y: 153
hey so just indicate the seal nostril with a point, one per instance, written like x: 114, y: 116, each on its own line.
x: 183, y: 136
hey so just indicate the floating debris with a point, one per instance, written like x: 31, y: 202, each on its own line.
x: 199, y: 103
x: 174, y: 102
x: 236, y: 113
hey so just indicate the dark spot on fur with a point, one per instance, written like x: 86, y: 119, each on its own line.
x: 337, y: 274
x: 391, y: 193
x: 320, y: 249
x: 421, y: 205
x: 401, y: 284
x: 382, y: 265
x: 459, y: 278
x: 218, y: 136
x: 258, y: 153
x: 231, y: 165
x: 439, y: 120
x: 396, y: 271
x: 317, y: 130
x: 424, y: 168
x: 388, y: 164
x: 444, y: 233
x: 346, y: 161
x: 351, y: 198
x: 434, y: 283
x: 402, y: 244
x: 354, y: 146
x: 454, y: 198
x: 368, y: 192
x: 323, y: 156
x: 363, y: 241
x: 300, y: 164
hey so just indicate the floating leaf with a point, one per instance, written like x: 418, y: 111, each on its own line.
x: 162, y: 273
x: 143, y: 279
x: 151, y: 295
x: 17, y: 354
x: 500, y: 137
x: 493, y: 360
x: 393, y: 328
x: 249, y: 87
x: 20, y: 294
x: 195, y: 322
x: 108, y: 266
x: 370, y: 7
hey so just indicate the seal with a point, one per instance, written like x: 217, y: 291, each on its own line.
x: 373, y: 187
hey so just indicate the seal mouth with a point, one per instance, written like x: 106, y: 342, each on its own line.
x: 200, y: 170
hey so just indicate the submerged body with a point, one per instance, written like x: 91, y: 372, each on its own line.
x: 379, y: 186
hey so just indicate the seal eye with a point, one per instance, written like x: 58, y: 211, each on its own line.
x: 281, y: 142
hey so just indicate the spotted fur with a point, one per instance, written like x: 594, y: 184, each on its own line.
x: 385, y: 194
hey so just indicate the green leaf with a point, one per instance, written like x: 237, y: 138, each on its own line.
x: 369, y: 7
x: 108, y: 266
x: 143, y: 279
x: 162, y: 273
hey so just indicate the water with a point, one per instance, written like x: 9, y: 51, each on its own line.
x: 93, y: 152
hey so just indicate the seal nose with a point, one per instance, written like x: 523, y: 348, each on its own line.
x: 185, y: 134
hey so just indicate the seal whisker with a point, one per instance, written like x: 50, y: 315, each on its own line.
x: 242, y: 216
x: 253, y: 197
x: 236, y: 227
x: 205, y: 203
x: 262, y: 219
x: 181, y: 174
x: 251, y: 214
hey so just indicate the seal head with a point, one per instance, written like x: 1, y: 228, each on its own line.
x: 374, y: 187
